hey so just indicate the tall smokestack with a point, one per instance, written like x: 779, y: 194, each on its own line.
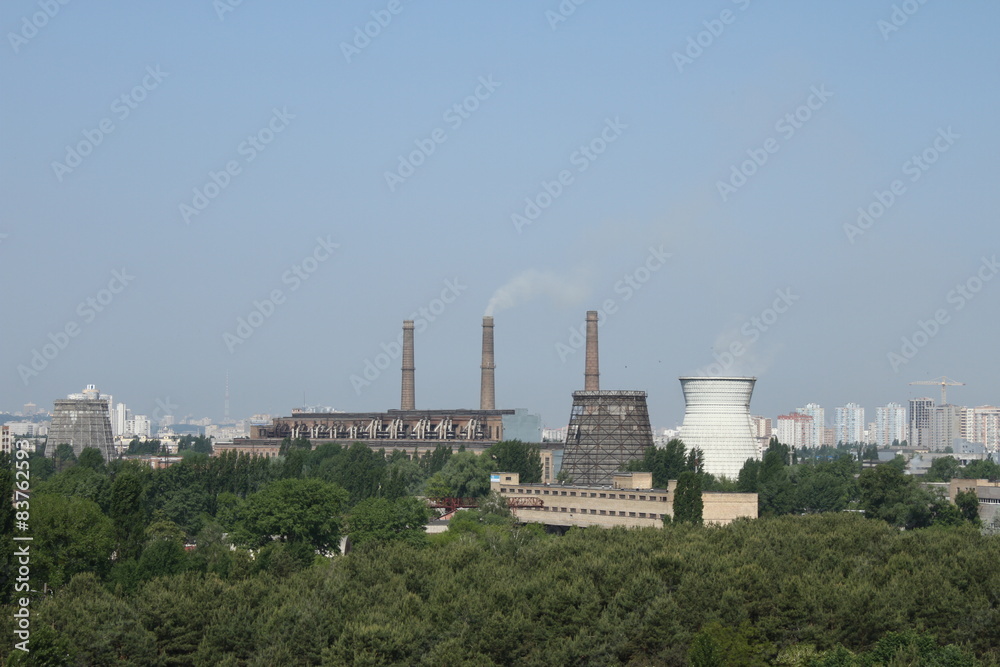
x: 406, y: 403
x: 591, y: 372
x: 487, y: 397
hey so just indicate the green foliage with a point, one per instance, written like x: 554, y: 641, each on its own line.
x: 90, y: 457
x: 71, y: 536
x: 968, y: 505
x: 379, y: 520
x: 127, y: 511
x: 140, y: 447
x: 516, y: 456
x: 943, y: 469
x: 200, y: 444
x: 984, y: 469
x: 295, y: 510
x: 665, y: 463
x: 688, y: 504
x: 466, y: 475
x: 63, y: 457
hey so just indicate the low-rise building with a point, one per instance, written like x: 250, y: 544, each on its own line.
x: 986, y: 491
x: 630, y: 501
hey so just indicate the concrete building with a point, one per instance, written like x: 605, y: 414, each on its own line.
x: 890, y: 424
x: 82, y: 420
x: 717, y: 420
x: 988, y: 494
x: 818, y: 415
x: 629, y: 501
x: 982, y: 425
x: 920, y: 422
x: 796, y: 430
x: 850, y: 424
x: 946, y: 426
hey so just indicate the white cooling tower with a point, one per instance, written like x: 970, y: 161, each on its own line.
x: 717, y: 420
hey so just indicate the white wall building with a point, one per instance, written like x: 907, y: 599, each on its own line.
x: 850, y: 424
x: 890, y: 424
x: 818, y: 415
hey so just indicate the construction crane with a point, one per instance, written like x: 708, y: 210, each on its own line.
x: 944, y: 383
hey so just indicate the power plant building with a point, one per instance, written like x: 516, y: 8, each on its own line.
x: 717, y: 421
x: 409, y: 428
x: 82, y: 420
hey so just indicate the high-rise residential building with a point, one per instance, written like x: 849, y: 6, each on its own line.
x: 762, y: 432
x: 946, y: 426
x: 795, y: 430
x: 120, y: 414
x: 850, y: 424
x: 982, y: 425
x: 920, y: 422
x: 890, y: 424
x: 829, y: 437
x: 818, y: 414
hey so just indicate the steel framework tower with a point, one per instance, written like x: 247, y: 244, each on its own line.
x: 606, y: 430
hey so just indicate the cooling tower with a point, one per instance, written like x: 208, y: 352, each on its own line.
x: 407, y: 399
x: 487, y: 397
x: 82, y: 420
x: 717, y: 420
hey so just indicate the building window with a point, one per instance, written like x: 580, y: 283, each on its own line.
x: 593, y: 495
x: 631, y: 497
x: 564, y: 493
x: 621, y: 513
x: 546, y: 492
x: 642, y: 497
x: 562, y: 509
x: 603, y: 512
x: 642, y: 515
x: 538, y: 492
x: 621, y: 496
x: 604, y: 495
x: 572, y: 493
x: 632, y: 514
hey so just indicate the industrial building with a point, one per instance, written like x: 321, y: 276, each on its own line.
x: 607, y: 429
x: 82, y: 420
x: 408, y: 428
x: 629, y: 501
x: 717, y: 421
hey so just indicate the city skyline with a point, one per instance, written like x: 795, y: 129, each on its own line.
x: 732, y: 187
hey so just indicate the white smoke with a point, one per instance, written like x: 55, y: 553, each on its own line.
x: 529, y: 284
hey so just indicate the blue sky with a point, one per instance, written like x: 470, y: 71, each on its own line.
x: 644, y: 110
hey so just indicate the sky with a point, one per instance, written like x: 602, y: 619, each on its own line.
x: 802, y: 192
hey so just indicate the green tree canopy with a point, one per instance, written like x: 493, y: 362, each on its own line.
x: 296, y: 510
x: 516, y: 456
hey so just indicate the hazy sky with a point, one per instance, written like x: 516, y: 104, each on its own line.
x: 171, y: 168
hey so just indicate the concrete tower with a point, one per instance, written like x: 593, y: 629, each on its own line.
x: 408, y: 393
x: 717, y: 421
x: 487, y: 388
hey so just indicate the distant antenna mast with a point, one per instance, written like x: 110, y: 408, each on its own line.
x: 227, y: 397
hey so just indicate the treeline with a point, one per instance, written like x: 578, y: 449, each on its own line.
x: 824, y: 590
x: 126, y: 522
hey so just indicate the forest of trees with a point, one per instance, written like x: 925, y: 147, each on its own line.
x: 114, y: 583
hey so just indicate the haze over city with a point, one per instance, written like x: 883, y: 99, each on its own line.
x: 799, y: 193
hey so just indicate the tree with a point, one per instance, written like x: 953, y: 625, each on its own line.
x: 381, y: 520
x: 688, y: 504
x: 127, y: 511
x: 984, y: 469
x: 64, y: 457
x: 465, y: 475
x: 296, y: 510
x: 968, y: 505
x: 666, y: 463
x: 887, y: 493
x: 71, y: 535
x: 90, y: 457
x: 774, y: 489
x: 746, y: 481
x: 943, y: 469
x: 516, y: 456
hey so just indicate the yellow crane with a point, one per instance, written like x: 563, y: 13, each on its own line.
x: 944, y: 383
